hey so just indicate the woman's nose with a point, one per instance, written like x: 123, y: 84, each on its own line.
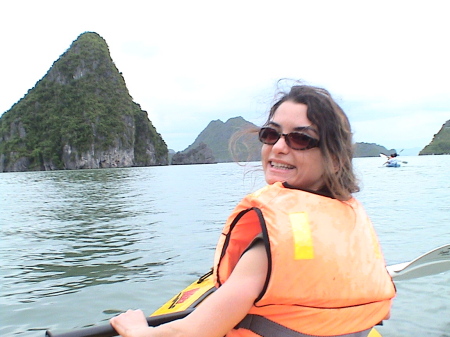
x: 281, y: 146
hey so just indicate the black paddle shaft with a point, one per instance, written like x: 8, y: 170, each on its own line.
x: 109, y: 331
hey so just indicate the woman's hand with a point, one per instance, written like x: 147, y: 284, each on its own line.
x: 220, y: 311
x: 131, y: 324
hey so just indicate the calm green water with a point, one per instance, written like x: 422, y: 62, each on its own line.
x: 76, y: 247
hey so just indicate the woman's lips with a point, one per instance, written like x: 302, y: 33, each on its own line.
x: 281, y: 166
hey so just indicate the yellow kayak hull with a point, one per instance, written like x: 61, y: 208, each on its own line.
x: 189, y: 297
x: 195, y: 293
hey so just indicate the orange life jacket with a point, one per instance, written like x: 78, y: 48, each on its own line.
x: 326, y: 272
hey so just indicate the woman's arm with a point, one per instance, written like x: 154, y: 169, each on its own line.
x: 218, y: 314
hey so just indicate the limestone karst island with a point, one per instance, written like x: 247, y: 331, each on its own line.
x: 80, y: 115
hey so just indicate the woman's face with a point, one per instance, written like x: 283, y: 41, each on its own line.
x: 302, y: 169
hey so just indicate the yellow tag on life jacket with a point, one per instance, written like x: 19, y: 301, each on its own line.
x: 376, y: 245
x: 303, y: 243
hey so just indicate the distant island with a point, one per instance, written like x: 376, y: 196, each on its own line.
x: 215, y: 139
x: 440, y: 144
x: 80, y: 115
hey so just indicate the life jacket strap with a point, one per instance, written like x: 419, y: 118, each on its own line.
x: 267, y: 328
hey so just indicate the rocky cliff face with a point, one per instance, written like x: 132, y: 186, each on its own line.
x: 242, y: 137
x: 235, y: 132
x: 440, y: 143
x: 370, y: 150
x: 79, y: 115
x: 202, y: 154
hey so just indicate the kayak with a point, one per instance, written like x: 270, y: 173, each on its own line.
x: 194, y: 294
x: 189, y: 297
x: 393, y: 163
x: 435, y: 261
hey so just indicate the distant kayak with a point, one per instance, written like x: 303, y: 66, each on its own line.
x: 392, y: 160
x: 393, y: 163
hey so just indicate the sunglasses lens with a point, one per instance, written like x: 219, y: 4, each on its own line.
x: 268, y: 136
x: 300, y: 141
x: 295, y: 140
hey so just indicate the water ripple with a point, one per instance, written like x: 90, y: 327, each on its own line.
x: 92, y: 243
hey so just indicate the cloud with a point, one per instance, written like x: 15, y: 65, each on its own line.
x: 188, y: 63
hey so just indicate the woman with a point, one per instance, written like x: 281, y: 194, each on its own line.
x: 299, y: 256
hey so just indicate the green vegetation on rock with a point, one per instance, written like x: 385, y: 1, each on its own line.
x: 246, y: 146
x: 217, y: 137
x: 202, y: 154
x: 440, y: 143
x: 370, y: 150
x: 80, y: 109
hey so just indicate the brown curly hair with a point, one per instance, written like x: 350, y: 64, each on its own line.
x: 336, y: 144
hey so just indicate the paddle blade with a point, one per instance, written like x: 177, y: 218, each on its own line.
x: 435, y: 261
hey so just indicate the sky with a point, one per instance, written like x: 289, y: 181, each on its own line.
x: 190, y: 62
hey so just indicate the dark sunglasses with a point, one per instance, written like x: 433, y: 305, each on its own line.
x: 295, y: 140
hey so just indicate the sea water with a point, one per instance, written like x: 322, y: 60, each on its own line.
x: 78, y: 247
